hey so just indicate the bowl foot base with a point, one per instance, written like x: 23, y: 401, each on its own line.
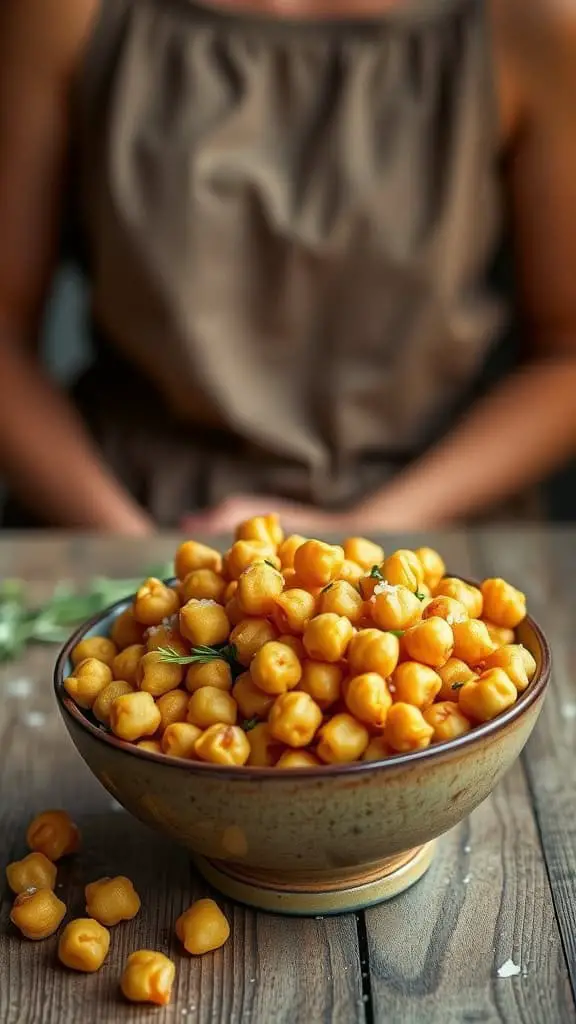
x: 318, y: 897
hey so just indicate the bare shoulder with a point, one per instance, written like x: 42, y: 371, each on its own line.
x: 50, y: 33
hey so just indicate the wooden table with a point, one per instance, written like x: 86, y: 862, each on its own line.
x: 503, y: 886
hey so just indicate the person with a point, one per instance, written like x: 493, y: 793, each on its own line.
x: 286, y: 210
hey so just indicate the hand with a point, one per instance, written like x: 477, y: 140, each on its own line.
x: 305, y: 519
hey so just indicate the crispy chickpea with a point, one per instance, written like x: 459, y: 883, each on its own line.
x: 317, y: 563
x: 34, y: 871
x: 258, y: 587
x: 173, y: 707
x: 294, y: 719
x: 289, y: 576
x: 179, y: 739
x: 202, y: 928
x: 351, y: 572
x: 298, y: 759
x: 165, y: 636
x: 88, y: 680
x: 154, y: 601
x: 106, y: 698
x: 234, y: 610
x: 373, y: 651
x: 203, y: 583
x: 368, y: 699
x: 327, y: 636
x: 148, y: 976
x: 249, y: 636
x: 99, y: 647
x: 362, y: 551
x: 125, y: 664
x: 432, y: 564
x: 209, y: 705
x: 125, y: 631
x: 155, y: 676
x: 275, y: 668
x: 204, y: 623
x: 288, y: 549
x: 415, y: 684
x: 472, y: 641
x: 407, y: 729
x: 404, y: 569
x: 469, y: 596
x: 447, y: 721
x: 395, y: 607
x: 263, y: 528
x: 111, y: 900
x: 511, y: 659
x: 134, y: 716
x: 445, y: 608
x: 223, y: 744
x: 504, y: 605
x: 191, y: 555
x: 151, y: 746
x: 342, y: 739
x: 294, y: 643
x: 322, y: 681
x: 529, y: 661
x: 293, y: 610
x: 245, y: 552
x: 498, y: 634
x: 341, y: 598
x: 264, y: 749
x: 37, y: 913
x: 488, y: 696
x: 215, y: 672
x: 231, y: 590
x: 377, y: 750
x: 84, y: 945
x: 251, y: 700
x: 54, y: 834
x: 453, y: 675
x: 430, y: 642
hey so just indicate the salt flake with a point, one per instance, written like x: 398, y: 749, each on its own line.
x: 385, y: 588
x: 509, y: 970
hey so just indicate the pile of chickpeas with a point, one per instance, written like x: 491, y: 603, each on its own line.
x: 289, y: 652
x: 84, y: 943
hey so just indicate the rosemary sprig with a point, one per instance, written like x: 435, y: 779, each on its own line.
x: 376, y: 574
x: 200, y: 655
x: 421, y: 597
x: 457, y: 686
x: 249, y: 723
x: 396, y: 632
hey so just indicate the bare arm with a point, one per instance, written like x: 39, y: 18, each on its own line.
x: 45, y: 452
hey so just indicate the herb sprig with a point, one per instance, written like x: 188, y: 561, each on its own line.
x: 201, y: 655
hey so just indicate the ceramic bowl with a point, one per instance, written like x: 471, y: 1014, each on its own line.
x: 311, y: 841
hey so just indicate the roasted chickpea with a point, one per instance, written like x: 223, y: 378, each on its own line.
x: 275, y: 668
x: 99, y: 647
x: 215, y: 672
x: 529, y: 661
x: 152, y: 746
x: 511, y: 659
x: 298, y: 759
x: 342, y: 739
x: 294, y: 643
x: 264, y: 749
x: 377, y: 750
x: 125, y: 631
x: 148, y: 977
x: 202, y: 928
x: 327, y: 636
x: 447, y: 721
x: 288, y: 549
x: 499, y: 636
x: 234, y: 610
x: 134, y: 716
x: 488, y: 696
x: 289, y: 576
x: 258, y: 588
x: 453, y: 675
x: 341, y: 598
x: 84, y: 945
x: 368, y: 699
x: 504, y: 605
x: 245, y: 552
x: 37, y: 913
x: 322, y: 681
x: 191, y: 556
x: 395, y: 607
x: 249, y: 636
x: 179, y: 739
x: 364, y: 552
x: 223, y: 744
x: 165, y: 636
x: 293, y: 610
x: 34, y: 871
x: 155, y: 676
x: 472, y: 641
x: 111, y: 900
x: 432, y: 564
x: 351, y: 572
x: 173, y: 707
x: 89, y: 679
x: 445, y: 608
x: 407, y: 729
x: 231, y: 590
x: 414, y: 683
x: 430, y: 641
x: 251, y: 700
x: 317, y: 563
x: 203, y: 584
x: 204, y: 623
x: 54, y: 834
x: 209, y: 705
x: 404, y: 569
x: 106, y: 698
x: 125, y: 664
x: 266, y: 529
x: 373, y: 651
x: 154, y: 602
x: 294, y: 719
x: 465, y: 593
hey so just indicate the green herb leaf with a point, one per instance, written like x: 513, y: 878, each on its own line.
x: 249, y: 723
x: 457, y: 686
x: 421, y: 597
x: 376, y: 573
x: 201, y: 655
x: 396, y: 632
x: 327, y: 588
x: 271, y: 564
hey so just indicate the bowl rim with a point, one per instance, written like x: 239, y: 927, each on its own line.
x: 238, y: 773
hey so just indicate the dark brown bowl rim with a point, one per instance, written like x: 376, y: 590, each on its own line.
x: 435, y: 753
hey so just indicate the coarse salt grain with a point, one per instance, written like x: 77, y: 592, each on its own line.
x: 509, y: 970
x: 385, y: 588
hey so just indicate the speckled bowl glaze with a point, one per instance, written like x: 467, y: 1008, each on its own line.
x: 311, y: 841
